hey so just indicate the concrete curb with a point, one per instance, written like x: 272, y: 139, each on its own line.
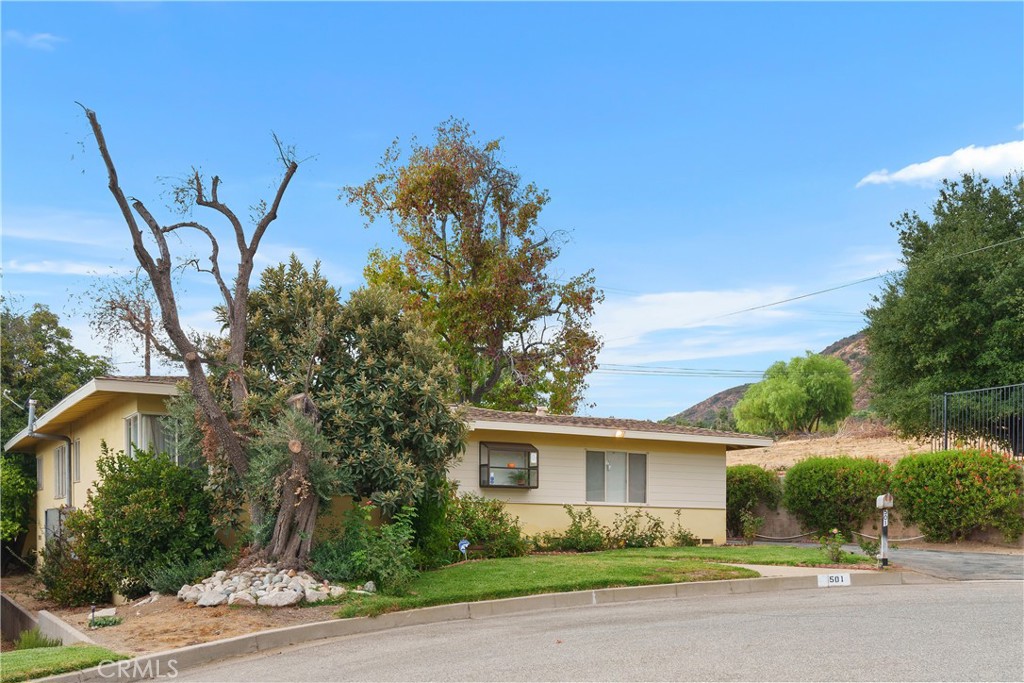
x: 172, y: 661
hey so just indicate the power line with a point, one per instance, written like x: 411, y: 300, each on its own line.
x: 831, y: 289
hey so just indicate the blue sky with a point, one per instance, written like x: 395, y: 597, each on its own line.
x: 706, y: 158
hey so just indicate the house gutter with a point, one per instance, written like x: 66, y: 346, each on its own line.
x: 51, y: 437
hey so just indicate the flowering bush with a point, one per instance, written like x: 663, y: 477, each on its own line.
x: 832, y: 545
x: 951, y: 493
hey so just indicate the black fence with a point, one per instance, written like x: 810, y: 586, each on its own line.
x: 990, y: 418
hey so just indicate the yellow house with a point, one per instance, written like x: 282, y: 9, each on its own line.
x: 124, y: 412
x: 534, y: 462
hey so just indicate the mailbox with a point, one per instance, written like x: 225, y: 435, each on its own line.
x: 884, y: 501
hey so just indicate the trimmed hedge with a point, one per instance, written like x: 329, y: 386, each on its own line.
x: 951, y: 493
x: 834, y: 493
x: 745, y: 487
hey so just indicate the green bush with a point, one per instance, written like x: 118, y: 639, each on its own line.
x: 584, y: 534
x: 680, y: 536
x: 74, y: 571
x: 951, y: 493
x: 168, y: 575
x: 745, y: 487
x: 17, y: 495
x: 485, y: 522
x: 146, y: 510
x: 827, y: 493
x: 383, y: 554
x: 33, y: 638
x: 636, y: 529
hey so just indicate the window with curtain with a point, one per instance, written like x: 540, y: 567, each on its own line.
x: 616, y: 477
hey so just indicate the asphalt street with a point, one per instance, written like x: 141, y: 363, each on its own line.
x: 962, y: 631
x: 960, y: 566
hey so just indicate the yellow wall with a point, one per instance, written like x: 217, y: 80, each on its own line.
x: 680, y: 476
x: 104, y: 423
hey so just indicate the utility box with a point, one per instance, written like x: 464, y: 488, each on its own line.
x: 884, y: 501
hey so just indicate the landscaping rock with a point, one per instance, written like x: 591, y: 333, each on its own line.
x: 280, y: 599
x: 337, y: 591
x: 315, y: 595
x: 370, y: 587
x: 212, y: 599
x: 191, y: 595
x: 244, y: 599
x: 108, y: 612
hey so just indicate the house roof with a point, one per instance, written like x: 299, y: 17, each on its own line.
x: 485, y: 418
x: 100, y: 390
x: 87, y: 398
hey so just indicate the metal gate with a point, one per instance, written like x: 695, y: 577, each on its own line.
x: 991, y: 418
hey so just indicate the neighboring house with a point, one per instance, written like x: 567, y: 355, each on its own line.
x: 123, y: 412
x: 535, y: 462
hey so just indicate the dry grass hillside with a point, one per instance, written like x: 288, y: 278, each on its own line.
x: 857, y: 439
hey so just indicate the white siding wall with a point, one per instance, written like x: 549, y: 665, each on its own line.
x: 679, y: 475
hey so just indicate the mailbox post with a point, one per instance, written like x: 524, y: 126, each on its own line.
x: 884, y: 503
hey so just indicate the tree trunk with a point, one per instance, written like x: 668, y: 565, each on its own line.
x: 296, y: 518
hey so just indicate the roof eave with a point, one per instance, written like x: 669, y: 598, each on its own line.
x: 93, y: 386
x: 730, y: 442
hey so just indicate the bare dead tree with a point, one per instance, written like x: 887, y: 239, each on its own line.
x: 122, y: 310
x: 159, y: 267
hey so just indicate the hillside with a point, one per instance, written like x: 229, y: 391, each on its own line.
x: 852, y: 350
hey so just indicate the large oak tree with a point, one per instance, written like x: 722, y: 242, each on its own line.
x: 953, y: 318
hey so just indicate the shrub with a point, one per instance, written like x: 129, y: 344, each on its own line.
x: 146, y: 510
x: 383, y: 554
x: 73, y: 570
x: 832, y: 545
x: 951, y: 493
x: 826, y: 493
x: 745, y: 487
x: 750, y: 524
x: 680, y: 536
x: 636, y: 529
x: 33, y: 638
x: 485, y: 522
x: 17, y: 495
x: 169, y: 575
x: 584, y: 534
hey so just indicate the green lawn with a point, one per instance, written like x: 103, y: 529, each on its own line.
x: 510, y: 577
x: 22, y: 665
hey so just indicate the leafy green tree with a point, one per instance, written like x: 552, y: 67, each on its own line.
x: 17, y: 491
x: 478, y: 267
x: 797, y: 396
x: 953, y: 319
x: 37, y: 358
x: 378, y: 381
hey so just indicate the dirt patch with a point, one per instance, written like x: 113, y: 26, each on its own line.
x: 788, y: 451
x: 167, y: 623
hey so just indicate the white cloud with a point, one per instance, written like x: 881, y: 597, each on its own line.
x: 63, y: 268
x: 34, y: 41
x: 624, y: 321
x: 994, y: 160
x: 45, y: 224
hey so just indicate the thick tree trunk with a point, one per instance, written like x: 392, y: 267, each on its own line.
x: 296, y: 518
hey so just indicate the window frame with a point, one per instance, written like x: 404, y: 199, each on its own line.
x: 60, y: 473
x: 136, y: 422
x: 627, y: 488
x: 528, y: 469
x: 76, y: 462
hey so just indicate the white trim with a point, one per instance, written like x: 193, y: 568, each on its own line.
x: 609, y: 432
x: 95, y: 386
